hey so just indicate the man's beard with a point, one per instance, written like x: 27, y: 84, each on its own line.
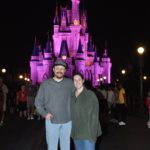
x: 58, y: 76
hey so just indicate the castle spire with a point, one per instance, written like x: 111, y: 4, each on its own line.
x: 63, y: 18
x: 95, y: 56
x: 90, y: 48
x: 84, y: 22
x: 75, y: 12
x: 80, y: 47
x: 105, y: 54
x: 64, y: 49
x: 56, y: 18
x: 35, y: 49
x: 69, y: 5
x: 48, y: 46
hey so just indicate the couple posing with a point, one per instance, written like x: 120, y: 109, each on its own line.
x: 69, y: 109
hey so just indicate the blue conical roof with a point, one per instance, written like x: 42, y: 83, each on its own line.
x: 95, y: 56
x: 64, y: 48
x: 90, y: 48
x: 79, y: 47
x: 35, y: 51
x: 48, y: 46
x: 56, y: 18
x: 69, y: 5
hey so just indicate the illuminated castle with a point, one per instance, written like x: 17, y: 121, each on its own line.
x: 72, y: 44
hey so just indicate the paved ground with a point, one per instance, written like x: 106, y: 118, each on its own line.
x: 20, y: 134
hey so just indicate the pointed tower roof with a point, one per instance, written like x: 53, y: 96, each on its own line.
x: 40, y: 56
x: 35, y: 49
x: 69, y: 5
x: 95, y: 56
x: 40, y: 50
x: 90, y: 48
x: 64, y: 49
x: 48, y: 46
x: 105, y: 54
x: 80, y: 47
x: 56, y: 18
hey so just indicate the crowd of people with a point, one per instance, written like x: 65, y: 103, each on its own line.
x: 71, y: 108
x: 18, y: 101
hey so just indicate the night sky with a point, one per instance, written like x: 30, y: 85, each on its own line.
x: 124, y: 25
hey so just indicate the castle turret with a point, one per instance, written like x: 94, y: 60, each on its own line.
x: 48, y: 62
x: 80, y: 62
x: 33, y: 63
x: 106, y: 64
x: 64, y: 51
x: 69, y: 12
x: 63, y: 19
x: 40, y: 70
x: 96, y: 70
x: 90, y: 53
x: 75, y: 12
x: 75, y: 27
x: 83, y: 23
x: 56, y: 21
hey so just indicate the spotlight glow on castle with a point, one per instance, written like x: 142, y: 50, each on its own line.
x: 72, y: 44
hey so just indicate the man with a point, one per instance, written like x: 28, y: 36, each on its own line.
x: 3, y: 98
x: 53, y: 103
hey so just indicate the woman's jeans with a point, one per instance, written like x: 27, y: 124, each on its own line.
x: 56, y: 132
x: 84, y: 145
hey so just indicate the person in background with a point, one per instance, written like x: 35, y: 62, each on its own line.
x: 39, y: 117
x: 53, y: 103
x: 3, y: 99
x: 31, y: 89
x: 11, y: 98
x: 110, y: 98
x: 21, y: 101
x: 85, y: 116
x: 148, y: 108
x: 115, y: 105
x: 122, y: 115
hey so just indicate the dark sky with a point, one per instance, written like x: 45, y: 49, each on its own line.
x: 124, y: 25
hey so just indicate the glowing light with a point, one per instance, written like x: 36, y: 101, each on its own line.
x: 3, y: 70
x: 140, y: 50
x: 64, y: 57
x: 20, y: 76
x: 98, y: 80
x: 76, y: 22
x: 123, y: 71
x: 28, y: 79
x: 25, y: 78
x: 117, y: 80
x: 145, y: 77
x: 104, y: 77
x: 101, y: 79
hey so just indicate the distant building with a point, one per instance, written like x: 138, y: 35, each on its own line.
x: 72, y: 44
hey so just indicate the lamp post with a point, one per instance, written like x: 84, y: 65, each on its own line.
x: 140, y: 51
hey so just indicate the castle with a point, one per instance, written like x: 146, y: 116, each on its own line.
x: 72, y: 44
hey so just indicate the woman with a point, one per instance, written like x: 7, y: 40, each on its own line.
x: 85, y: 116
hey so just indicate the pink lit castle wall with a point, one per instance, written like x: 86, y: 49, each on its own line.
x: 71, y: 43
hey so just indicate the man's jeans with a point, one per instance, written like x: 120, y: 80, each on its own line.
x: 56, y: 132
x: 84, y: 145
